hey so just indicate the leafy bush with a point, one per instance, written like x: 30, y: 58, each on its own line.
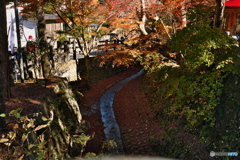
x: 203, y: 46
x: 176, y: 149
x: 209, y: 56
x: 191, y: 97
x: 190, y: 93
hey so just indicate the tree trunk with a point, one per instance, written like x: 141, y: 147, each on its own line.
x: 4, y: 67
x: 86, y: 53
x: 19, y: 41
x: 143, y: 18
x: 219, y: 13
x: 43, y: 46
x: 88, y: 66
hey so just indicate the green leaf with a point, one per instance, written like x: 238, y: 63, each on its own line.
x: 2, y: 115
x: 31, y: 146
x: 17, y: 115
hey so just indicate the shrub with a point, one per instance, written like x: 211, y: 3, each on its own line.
x: 190, y: 93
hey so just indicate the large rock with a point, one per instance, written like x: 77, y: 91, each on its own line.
x: 66, y: 69
x: 59, y: 122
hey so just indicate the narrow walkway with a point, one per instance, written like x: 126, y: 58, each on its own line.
x: 90, y: 109
x: 136, y: 119
x: 112, y: 130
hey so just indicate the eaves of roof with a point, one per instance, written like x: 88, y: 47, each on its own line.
x: 232, y: 3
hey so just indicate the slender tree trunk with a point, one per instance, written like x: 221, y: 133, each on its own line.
x: 4, y: 67
x: 19, y: 41
x: 43, y: 46
x: 143, y: 18
x: 219, y: 13
x: 86, y: 53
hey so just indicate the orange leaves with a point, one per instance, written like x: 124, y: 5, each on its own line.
x: 205, y: 2
x: 126, y: 23
x: 119, y: 6
x: 117, y: 58
x: 93, y: 2
x: 82, y: 13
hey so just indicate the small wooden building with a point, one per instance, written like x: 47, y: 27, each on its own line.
x: 53, y: 24
x: 232, y: 17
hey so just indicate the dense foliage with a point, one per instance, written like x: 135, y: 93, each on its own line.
x: 189, y: 93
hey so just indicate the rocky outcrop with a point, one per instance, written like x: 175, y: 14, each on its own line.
x: 59, y: 125
x: 66, y: 69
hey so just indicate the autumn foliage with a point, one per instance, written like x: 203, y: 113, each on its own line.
x: 186, y: 57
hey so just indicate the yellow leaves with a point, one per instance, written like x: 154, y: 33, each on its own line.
x: 125, y: 23
x: 41, y: 127
x: 24, y: 137
x: 223, y: 63
x: 4, y: 140
x: 105, y: 29
x: 10, y: 137
x: 93, y: 2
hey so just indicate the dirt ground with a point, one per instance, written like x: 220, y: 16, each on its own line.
x: 28, y: 96
x: 91, y: 112
x: 136, y: 118
x: 132, y: 111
